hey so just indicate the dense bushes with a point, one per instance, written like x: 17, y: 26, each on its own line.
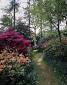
x: 56, y: 56
x: 23, y: 29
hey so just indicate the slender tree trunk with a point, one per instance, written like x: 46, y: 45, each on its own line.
x: 59, y: 33
x: 51, y: 27
x: 14, y: 13
x: 29, y: 18
x: 35, y: 37
x: 41, y: 31
x: 66, y: 21
x: 41, y: 27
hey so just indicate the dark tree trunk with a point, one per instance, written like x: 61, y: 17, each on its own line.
x: 35, y: 31
x: 41, y: 30
x: 14, y: 13
x: 35, y: 36
x: 58, y: 29
x: 41, y: 27
x: 51, y: 27
x: 66, y: 22
x: 29, y: 18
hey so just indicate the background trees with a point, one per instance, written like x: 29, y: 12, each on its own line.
x: 13, y: 8
x: 51, y: 13
x: 23, y: 29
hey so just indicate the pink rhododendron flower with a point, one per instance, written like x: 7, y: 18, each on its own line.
x: 14, y: 40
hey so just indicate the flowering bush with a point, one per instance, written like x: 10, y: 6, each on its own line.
x: 12, y: 39
x: 6, y: 59
x: 15, y: 66
x: 16, y: 69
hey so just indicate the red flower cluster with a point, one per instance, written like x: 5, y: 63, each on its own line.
x: 13, y: 39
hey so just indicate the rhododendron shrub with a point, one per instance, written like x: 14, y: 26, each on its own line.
x: 16, y: 69
x: 7, y: 58
x: 12, y: 39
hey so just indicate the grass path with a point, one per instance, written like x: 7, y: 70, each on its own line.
x: 45, y: 74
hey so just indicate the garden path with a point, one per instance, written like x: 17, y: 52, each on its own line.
x: 45, y: 74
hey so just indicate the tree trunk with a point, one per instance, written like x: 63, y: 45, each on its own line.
x: 66, y: 22
x: 51, y: 27
x: 58, y: 29
x: 14, y: 13
x: 35, y: 37
x: 41, y: 28
x: 29, y: 18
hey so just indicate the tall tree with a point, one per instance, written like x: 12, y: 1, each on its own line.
x: 28, y: 16
x: 59, y: 14
x: 13, y: 7
x: 38, y: 13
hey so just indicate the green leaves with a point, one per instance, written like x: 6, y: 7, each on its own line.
x: 49, y: 10
x: 6, y: 21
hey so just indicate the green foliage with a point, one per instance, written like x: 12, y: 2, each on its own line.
x: 64, y: 33
x: 23, y: 29
x: 37, y: 12
x: 48, y: 37
x: 6, y: 21
x: 49, y: 13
